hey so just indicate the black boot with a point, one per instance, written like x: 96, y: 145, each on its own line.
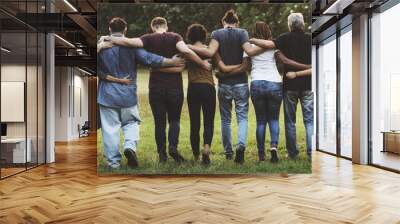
x: 261, y: 155
x: 173, y: 152
x: 274, y: 156
x: 131, y: 157
x: 162, y: 156
x: 240, y: 154
x: 196, y: 154
x: 229, y: 155
x: 205, y: 159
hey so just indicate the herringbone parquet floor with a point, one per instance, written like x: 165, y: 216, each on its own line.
x: 70, y: 191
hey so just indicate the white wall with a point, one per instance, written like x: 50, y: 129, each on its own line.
x: 80, y: 110
x: 61, y: 103
x: 71, y: 102
x: 17, y: 73
x: 14, y: 73
x: 33, y: 126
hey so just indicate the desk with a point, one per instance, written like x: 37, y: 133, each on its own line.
x: 391, y: 141
x: 13, y: 150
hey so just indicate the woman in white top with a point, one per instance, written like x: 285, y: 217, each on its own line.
x: 266, y: 93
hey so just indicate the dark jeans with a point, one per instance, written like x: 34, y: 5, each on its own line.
x: 166, y: 104
x: 290, y: 100
x: 267, y: 100
x: 201, y: 97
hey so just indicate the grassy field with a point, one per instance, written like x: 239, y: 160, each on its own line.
x: 148, y: 157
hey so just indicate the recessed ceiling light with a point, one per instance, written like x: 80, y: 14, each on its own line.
x: 5, y: 50
x: 70, y: 5
x: 84, y: 71
x: 64, y: 40
x: 338, y: 6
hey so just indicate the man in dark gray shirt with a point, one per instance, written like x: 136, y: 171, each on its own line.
x: 230, y: 49
x: 230, y: 42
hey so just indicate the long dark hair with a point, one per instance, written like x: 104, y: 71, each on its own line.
x: 262, y: 31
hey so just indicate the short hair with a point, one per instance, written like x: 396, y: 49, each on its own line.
x: 230, y: 17
x: 117, y: 24
x: 262, y: 31
x: 158, y: 22
x: 196, y: 32
x: 296, y: 21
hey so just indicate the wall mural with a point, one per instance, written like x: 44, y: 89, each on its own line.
x: 194, y: 89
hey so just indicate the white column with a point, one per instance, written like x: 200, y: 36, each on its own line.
x: 50, y: 93
x: 360, y: 90
x: 314, y: 89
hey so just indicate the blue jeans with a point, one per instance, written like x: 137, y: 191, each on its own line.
x: 112, y: 121
x: 238, y: 93
x: 267, y: 100
x: 290, y: 101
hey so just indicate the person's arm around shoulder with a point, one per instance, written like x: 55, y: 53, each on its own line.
x: 173, y: 69
x: 104, y: 74
x: 246, y: 64
x: 206, y: 51
x: 127, y: 42
x: 191, y: 55
x: 281, y: 58
x: 124, y: 81
x: 222, y: 67
x: 155, y: 61
x: 293, y: 75
x: 230, y: 70
x: 109, y: 41
x: 266, y: 44
x: 104, y: 45
x: 252, y: 50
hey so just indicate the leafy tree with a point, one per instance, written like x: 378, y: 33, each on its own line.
x: 180, y: 16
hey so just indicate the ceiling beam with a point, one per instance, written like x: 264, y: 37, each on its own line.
x: 78, y: 61
x: 81, y: 21
x: 337, y: 7
x: 89, y: 30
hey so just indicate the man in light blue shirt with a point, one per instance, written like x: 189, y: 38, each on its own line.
x: 117, y: 97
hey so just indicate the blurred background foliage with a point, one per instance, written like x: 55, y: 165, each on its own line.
x: 180, y: 16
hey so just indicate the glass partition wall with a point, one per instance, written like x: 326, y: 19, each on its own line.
x: 385, y: 89
x: 334, y: 89
x: 327, y: 95
x: 345, y: 62
x: 22, y: 98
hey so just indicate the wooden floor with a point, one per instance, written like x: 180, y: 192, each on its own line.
x: 387, y: 159
x: 5, y: 172
x: 70, y: 191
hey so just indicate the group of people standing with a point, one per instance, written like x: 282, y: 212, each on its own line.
x: 231, y: 53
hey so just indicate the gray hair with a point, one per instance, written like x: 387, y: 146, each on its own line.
x: 296, y: 21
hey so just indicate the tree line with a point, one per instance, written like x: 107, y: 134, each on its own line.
x: 180, y: 16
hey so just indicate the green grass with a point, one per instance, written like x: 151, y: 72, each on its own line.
x: 148, y: 157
